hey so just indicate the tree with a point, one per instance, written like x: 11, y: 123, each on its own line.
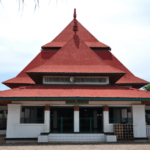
x: 147, y: 87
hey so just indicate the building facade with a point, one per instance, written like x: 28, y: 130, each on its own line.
x: 75, y: 90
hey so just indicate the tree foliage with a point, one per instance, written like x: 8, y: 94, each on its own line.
x: 147, y: 87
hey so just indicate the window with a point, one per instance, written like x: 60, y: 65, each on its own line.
x: 100, y: 80
x: 120, y: 115
x: 3, y: 119
x: 31, y: 114
x: 147, y: 116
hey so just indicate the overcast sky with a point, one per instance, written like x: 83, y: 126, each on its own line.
x: 124, y: 25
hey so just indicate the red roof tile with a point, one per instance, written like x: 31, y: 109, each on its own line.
x: 40, y: 59
x: 26, y: 80
x: 67, y: 34
x: 105, y: 56
x: 75, y: 91
x: 75, y: 57
x: 111, y: 60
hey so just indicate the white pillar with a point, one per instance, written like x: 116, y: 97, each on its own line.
x: 47, y: 119
x: 13, y: 118
x: 105, y: 119
x: 76, y: 119
x: 139, y: 123
x: 95, y: 119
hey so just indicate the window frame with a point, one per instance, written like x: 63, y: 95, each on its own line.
x: 23, y: 120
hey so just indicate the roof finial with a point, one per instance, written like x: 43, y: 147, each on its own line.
x: 74, y: 13
x: 75, y: 27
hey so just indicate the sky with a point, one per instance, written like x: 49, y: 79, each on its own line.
x: 124, y: 25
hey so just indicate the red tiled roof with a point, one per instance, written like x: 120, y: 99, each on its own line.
x: 67, y: 34
x: 26, y: 80
x: 75, y: 57
x: 111, y: 60
x: 106, y: 57
x: 40, y: 59
x: 75, y: 91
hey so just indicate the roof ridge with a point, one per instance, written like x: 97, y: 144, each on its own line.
x: 60, y: 38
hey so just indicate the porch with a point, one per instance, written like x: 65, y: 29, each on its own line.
x: 99, y: 123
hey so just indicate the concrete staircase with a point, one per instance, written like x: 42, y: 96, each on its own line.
x: 76, y: 137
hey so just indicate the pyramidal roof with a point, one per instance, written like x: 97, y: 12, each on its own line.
x: 75, y: 57
x: 67, y: 34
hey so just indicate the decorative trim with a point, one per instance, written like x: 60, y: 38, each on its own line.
x: 47, y: 108
x: 131, y: 83
x: 76, y: 108
x: 145, y: 102
x: 101, y: 48
x: 51, y: 48
x: 78, y: 98
x: 77, y: 102
x: 105, y: 108
x: 61, y: 73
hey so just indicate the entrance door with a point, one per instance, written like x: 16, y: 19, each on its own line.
x: 91, y: 120
x: 61, y: 120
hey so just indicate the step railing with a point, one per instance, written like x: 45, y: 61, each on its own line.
x: 66, y: 125
x: 62, y: 124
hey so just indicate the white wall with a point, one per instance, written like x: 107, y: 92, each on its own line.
x: 111, y: 128
x: 139, y: 127
x: 15, y: 129
x: 28, y: 130
x: 13, y: 118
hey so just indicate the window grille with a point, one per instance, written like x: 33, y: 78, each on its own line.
x: 77, y: 80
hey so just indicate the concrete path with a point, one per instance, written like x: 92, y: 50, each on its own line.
x: 80, y: 147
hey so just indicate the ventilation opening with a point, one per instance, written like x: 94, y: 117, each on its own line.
x: 75, y: 80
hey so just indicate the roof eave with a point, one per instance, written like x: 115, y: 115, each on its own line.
x: 77, y: 98
x: 61, y: 73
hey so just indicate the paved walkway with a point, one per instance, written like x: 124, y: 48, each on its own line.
x: 79, y: 147
x: 33, y: 145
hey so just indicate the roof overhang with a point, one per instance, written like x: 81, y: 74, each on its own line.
x: 74, y: 98
x: 134, y: 85
x: 37, y: 77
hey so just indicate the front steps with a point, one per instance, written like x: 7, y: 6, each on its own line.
x: 76, y: 137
